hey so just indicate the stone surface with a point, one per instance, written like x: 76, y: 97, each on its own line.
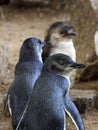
x: 96, y: 102
x: 6, y: 123
x: 4, y: 52
x: 94, y: 4
x: 4, y: 126
x: 85, y: 30
x: 1, y: 99
x: 29, y: 2
x: 4, y: 1
x: 90, y: 72
x: 84, y: 99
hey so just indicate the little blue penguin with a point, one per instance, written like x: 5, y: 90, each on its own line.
x: 96, y: 39
x: 27, y: 71
x: 50, y: 97
x: 59, y: 40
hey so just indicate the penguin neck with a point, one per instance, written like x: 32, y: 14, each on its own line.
x: 47, y: 68
x: 61, y: 76
x: 61, y: 43
x: 65, y: 47
x: 68, y: 80
x: 30, y: 57
x: 67, y: 77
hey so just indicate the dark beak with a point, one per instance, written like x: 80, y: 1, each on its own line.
x: 76, y: 65
x: 71, y: 33
x: 68, y: 31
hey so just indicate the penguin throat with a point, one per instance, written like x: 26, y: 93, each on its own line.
x: 67, y: 77
x: 65, y: 47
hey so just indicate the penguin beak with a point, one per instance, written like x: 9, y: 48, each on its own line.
x: 70, y: 31
x: 76, y: 65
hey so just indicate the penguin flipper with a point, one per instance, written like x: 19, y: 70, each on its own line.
x: 6, y: 105
x: 73, y: 112
x: 46, y: 51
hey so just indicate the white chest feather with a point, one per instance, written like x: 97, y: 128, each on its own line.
x: 96, y: 42
x: 67, y: 77
x: 64, y: 47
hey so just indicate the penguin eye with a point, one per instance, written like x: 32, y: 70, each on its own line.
x: 62, y: 32
x: 61, y: 62
x: 71, y: 27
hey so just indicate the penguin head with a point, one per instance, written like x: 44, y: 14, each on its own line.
x: 59, y: 31
x: 31, y: 47
x: 61, y: 64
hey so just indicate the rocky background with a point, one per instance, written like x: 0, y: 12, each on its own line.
x: 79, y: 13
x: 20, y: 19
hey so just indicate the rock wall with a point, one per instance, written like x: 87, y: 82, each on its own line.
x: 94, y: 4
x: 4, y: 1
x: 4, y: 63
x: 81, y: 16
x: 29, y: 2
x: 84, y: 19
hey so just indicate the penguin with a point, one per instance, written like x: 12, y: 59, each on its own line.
x: 50, y: 97
x: 27, y: 71
x: 96, y: 39
x: 59, y: 40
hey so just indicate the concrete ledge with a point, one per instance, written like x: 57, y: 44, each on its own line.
x: 84, y: 99
x: 5, y: 126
